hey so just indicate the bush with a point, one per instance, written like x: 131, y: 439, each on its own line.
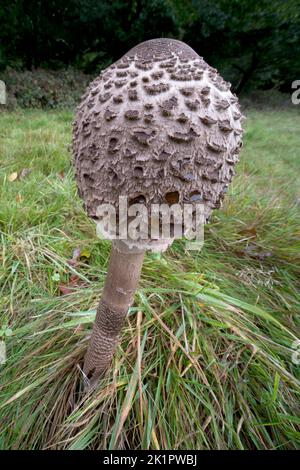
x: 42, y: 88
x: 266, y: 99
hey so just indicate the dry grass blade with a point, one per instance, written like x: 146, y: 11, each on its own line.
x: 128, y: 401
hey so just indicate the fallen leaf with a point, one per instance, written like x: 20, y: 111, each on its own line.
x: 65, y: 289
x: 13, y: 176
x: 85, y: 254
x: 25, y: 172
x: 19, y: 197
x: 74, y: 282
x: 77, y: 255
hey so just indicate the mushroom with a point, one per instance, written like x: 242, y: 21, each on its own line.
x: 159, y: 126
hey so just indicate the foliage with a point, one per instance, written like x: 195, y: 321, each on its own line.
x: 254, y: 43
x: 207, y: 363
x: 44, y: 88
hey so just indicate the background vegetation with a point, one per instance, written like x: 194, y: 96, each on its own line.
x: 254, y: 43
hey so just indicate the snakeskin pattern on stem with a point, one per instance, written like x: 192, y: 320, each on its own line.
x: 104, y: 340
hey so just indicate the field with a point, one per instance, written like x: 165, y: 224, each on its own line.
x: 209, y: 358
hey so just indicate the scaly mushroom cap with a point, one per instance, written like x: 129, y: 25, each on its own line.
x: 159, y: 125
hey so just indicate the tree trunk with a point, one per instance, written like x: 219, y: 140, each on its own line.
x: 246, y: 74
x: 118, y: 294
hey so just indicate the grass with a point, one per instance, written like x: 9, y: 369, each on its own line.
x: 208, y: 359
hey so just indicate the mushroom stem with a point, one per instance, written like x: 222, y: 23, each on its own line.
x: 118, y: 294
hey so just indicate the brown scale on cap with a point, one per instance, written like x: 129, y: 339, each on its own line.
x: 176, y: 101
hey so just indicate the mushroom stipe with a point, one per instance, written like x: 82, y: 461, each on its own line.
x: 118, y: 293
x: 159, y: 125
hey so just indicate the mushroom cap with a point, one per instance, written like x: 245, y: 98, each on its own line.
x: 158, y: 126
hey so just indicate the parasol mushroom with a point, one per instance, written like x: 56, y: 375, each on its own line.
x: 157, y: 126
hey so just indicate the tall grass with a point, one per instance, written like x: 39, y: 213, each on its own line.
x: 208, y: 358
